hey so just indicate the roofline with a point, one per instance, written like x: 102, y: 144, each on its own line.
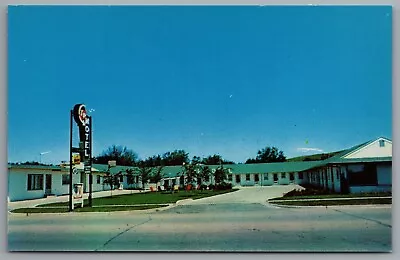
x: 364, y: 146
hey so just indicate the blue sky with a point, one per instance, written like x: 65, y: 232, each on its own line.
x: 223, y: 80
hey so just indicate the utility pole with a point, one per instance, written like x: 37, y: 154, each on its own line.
x: 70, y: 162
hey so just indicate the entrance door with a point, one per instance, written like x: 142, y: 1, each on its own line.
x: 48, y: 184
x: 275, y: 177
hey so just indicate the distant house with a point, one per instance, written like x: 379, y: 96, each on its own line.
x: 363, y: 168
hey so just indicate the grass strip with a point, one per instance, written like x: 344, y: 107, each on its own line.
x: 335, y: 202
x: 355, y: 195
x: 86, y: 209
x: 145, y: 198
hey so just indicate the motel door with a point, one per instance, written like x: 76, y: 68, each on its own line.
x: 275, y: 177
x: 48, y: 184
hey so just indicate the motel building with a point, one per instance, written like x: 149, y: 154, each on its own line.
x: 363, y: 168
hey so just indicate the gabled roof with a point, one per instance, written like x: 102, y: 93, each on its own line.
x: 339, y: 158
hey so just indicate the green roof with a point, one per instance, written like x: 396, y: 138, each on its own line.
x: 35, y: 167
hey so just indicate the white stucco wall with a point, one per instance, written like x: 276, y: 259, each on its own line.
x: 373, y: 150
x: 18, y: 185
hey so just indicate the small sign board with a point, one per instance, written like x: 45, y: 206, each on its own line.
x: 112, y: 163
x: 87, y: 168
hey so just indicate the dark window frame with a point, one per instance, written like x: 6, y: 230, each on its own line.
x: 65, y: 179
x: 35, y: 182
x: 237, y: 178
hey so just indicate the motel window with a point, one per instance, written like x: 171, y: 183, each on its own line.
x: 266, y: 177
x: 35, y: 181
x: 362, y: 175
x: 283, y: 175
x: 256, y: 177
x: 381, y: 143
x: 98, y: 179
x: 237, y: 178
x: 229, y: 177
x: 65, y: 179
x: 247, y: 177
x: 300, y: 175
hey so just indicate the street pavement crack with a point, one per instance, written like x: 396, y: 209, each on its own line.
x: 373, y: 220
x: 126, y: 230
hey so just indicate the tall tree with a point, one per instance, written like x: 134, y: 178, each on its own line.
x: 177, y: 157
x: 121, y: 154
x: 130, y: 178
x: 144, y: 172
x: 156, y: 175
x: 268, y: 155
x: 221, y: 174
x: 203, y: 174
x: 153, y: 161
x: 215, y: 159
x: 190, y: 170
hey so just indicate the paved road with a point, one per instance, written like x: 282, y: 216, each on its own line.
x: 225, y: 225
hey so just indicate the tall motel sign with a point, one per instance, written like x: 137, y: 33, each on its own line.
x: 82, y: 153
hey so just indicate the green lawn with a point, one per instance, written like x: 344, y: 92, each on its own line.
x: 335, y: 202
x: 146, y: 198
x: 383, y: 194
x: 85, y: 209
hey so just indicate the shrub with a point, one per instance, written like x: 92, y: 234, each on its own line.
x: 211, y: 186
x: 223, y: 186
x: 203, y: 187
x: 309, y: 190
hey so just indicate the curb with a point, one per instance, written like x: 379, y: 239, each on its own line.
x: 334, y: 206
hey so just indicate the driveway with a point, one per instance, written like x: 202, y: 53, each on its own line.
x: 247, y: 195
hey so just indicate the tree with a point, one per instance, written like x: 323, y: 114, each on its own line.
x: 144, y: 172
x: 203, y: 174
x: 268, y: 155
x: 215, y: 160
x: 177, y: 157
x: 130, y: 178
x: 153, y: 161
x: 112, y: 180
x: 156, y: 174
x: 191, y: 171
x: 220, y: 174
x: 121, y: 154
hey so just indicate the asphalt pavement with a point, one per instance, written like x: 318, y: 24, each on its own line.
x: 239, y: 221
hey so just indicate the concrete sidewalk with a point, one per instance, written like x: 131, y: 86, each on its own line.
x: 65, y: 198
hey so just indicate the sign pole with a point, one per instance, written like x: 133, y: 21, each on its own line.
x: 70, y: 162
x: 90, y: 163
